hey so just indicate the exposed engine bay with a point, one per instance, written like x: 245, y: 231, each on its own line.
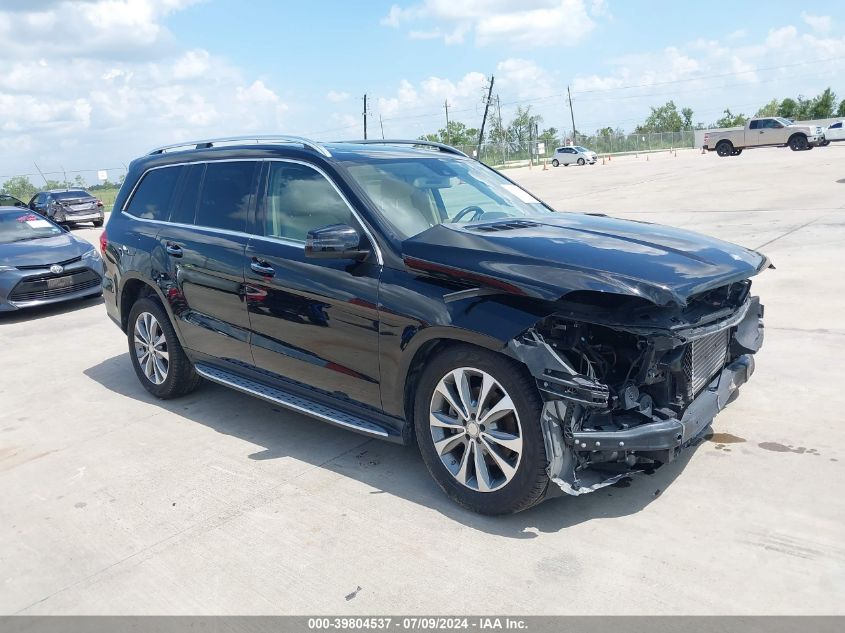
x: 627, y: 384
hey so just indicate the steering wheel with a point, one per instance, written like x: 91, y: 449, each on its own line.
x: 477, y: 212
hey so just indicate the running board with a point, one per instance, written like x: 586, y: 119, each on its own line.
x: 290, y: 401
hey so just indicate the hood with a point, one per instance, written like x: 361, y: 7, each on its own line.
x: 43, y: 251
x: 550, y: 256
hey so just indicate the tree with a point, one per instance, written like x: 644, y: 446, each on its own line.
x: 20, y: 187
x: 521, y: 128
x: 687, y: 114
x: 822, y: 107
x: 666, y: 118
x: 787, y: 108
x: 770, y: 109
x: 731, y: 120
x: 550, y: 137
x: 456, y: 134
x: 841, y: 110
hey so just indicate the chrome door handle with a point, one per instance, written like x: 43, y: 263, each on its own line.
x: 174, y: 250
x: 262, y: 268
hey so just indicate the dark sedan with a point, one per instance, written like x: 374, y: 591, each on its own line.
x: 68, y: 206
x: 42, y: 263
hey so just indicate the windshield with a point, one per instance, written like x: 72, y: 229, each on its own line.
x: 580, y: 149
x: 783, y: 121
x: 415, y: 194
x: 19, y: 227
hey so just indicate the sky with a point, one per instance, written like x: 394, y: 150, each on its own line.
x: 92, y: 84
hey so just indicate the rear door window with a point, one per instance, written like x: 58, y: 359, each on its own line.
x: 226, y: 195
x: 153, y: 196
x: 185, y: 206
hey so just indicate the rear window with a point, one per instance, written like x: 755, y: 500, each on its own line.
x: 72, y: 194
x: 152, y: 198
x: 226, y: 195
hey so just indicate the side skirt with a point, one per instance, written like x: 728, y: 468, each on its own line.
x: 295, y: 402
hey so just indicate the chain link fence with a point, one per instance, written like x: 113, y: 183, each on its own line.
x: 518, y: 151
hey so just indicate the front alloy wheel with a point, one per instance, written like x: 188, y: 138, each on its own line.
x: 477, y: 423
x: 475, y: 429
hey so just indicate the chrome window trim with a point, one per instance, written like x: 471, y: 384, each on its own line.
x: 266, y: 238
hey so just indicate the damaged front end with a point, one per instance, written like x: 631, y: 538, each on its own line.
x: 628, y: 384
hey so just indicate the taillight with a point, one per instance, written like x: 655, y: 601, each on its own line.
x: 104, y: 242
x: 99, y: 202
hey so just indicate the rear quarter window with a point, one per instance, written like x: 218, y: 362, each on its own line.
x: 151, y: 200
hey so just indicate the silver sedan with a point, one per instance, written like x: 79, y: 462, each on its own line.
x: 573, y: 154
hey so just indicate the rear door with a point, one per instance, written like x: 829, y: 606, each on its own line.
x: 201, y: 253
x: 314, y: 321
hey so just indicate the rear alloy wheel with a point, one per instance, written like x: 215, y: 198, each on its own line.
x: 477, y: 419
x: 580, y: 161
x: 724, y: 148
x: 798, y: 143
x: 157, y: 357
x: 555, y: 163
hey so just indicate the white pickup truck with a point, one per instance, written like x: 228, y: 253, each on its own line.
x: 763, y: 132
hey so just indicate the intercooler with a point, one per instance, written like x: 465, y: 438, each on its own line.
x: 703, y: 359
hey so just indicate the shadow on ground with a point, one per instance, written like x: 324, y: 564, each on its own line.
x: 386, y: 467
x: 50, y: 310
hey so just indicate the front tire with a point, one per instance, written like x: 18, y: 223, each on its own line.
x: 477, y: 423
x: 157, y: 356
x: 581, y: 162
x: 798, y: 143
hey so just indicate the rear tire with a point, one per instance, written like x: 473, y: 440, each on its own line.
x: 555, y: 163
x: 156, y: 354
x: 724, y: 148
x: 98, y: 223
x: 798, y: 143
x: 513, y: 479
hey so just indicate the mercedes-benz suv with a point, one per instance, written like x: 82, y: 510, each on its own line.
x: 407, y: 292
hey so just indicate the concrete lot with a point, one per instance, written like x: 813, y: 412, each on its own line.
x: 113, y: 502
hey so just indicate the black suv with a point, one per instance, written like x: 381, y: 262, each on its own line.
x: 405, y: 291
x: 68, y: 206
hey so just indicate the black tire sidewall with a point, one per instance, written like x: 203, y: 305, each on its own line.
x: 555, y: 163
x: 529, y: 484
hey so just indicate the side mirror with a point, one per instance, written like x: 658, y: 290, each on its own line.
x: 336, y: 241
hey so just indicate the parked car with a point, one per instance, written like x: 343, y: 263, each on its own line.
x: 41, y: 263
x: 573, y: 154
x: 68, y: 206
x: 763, y: 132
x: 834, y: 132
x: 7, y: 200
x: 410, y: 293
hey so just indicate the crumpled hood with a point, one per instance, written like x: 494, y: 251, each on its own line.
x: 44, y: 251
x: 550, y: 256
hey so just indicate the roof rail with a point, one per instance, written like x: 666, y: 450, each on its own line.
x: 257, y: 138
x: 441, y: 146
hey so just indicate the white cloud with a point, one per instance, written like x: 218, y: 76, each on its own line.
x: 336, y: 96
x: 494, y: 22
x: 821, y: 23
x: 123, y: 88
x: 710, y: 75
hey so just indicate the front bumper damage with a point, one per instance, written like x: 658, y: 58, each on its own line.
x: 595, y: 434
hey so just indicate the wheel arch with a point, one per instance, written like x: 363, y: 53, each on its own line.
x: 135, y: 287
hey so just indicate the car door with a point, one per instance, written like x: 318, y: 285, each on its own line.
x: 201, y: 253
x: 313, y: 321
x: 39, y: 203
x: 835, y: 132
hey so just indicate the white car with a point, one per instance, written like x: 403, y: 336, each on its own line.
x: 835, y: 132
x: 573, y: 154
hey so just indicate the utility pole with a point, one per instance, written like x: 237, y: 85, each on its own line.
x: 446, y: 105
x: 484, y: 120
x: 365, y: 117
x: 572, y: 114
x: 381, y: 124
